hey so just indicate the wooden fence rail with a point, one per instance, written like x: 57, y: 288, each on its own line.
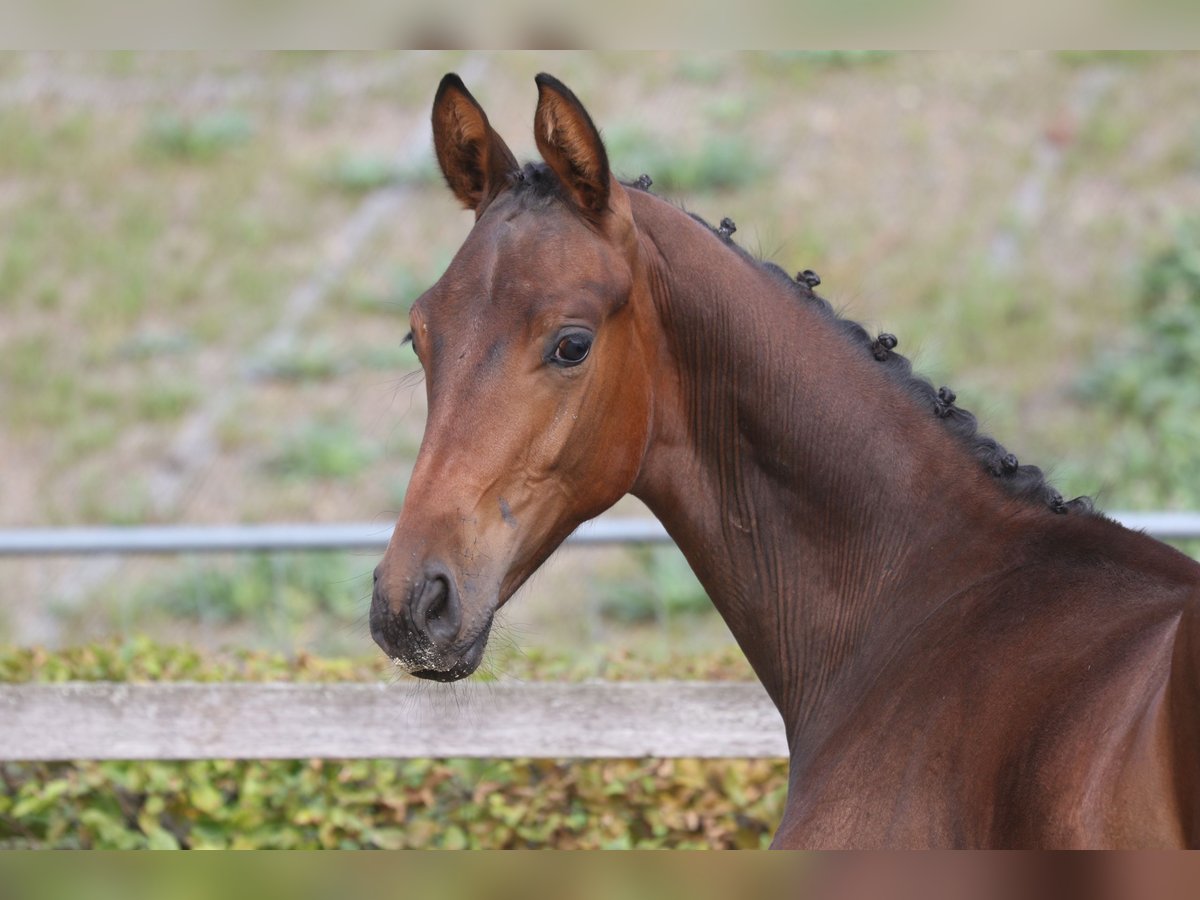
x: 594, y: 719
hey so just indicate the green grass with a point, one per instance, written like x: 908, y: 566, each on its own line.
x: 100, y: 250
x: 361, y: 174
x: 200, y: 138
x: 285, y: 590
x: 84, y: 438
x: 26, y: 143
x: 1107, y: 57
x: 388, y: 357
x: 707, y: 69
x: 323, y: 450
x: 836, y: 59
x: 1151, y: 385
x: 106, y: 498
x: 155, y: 344
x: 391, y: 292
x: 1104, y: 138
x: 730, y: 110
x: 165, y: 401
x: 41, y: 395
x: 358, y: 173
x: 660, y: 587
x: 279, y: 601
x: 720, y: 163
x: 316, y: 362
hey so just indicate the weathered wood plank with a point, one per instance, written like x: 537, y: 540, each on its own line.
x: 96, y: 720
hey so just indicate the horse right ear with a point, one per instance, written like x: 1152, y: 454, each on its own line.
x: 571, y: 146
x: 475, y: 161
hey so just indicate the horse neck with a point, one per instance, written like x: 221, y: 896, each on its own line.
x: 823, y: 510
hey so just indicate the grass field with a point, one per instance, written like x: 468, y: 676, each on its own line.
x: 206, y: 262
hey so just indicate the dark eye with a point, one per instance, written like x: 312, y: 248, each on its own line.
x: 572, y: 349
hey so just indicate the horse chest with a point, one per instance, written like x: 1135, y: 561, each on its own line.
x: 878, y: 791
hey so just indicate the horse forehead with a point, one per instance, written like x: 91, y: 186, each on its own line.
x: 545, y: 243
x: 524, y: 262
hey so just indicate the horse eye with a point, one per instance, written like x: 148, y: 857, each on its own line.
x: 572, y: 349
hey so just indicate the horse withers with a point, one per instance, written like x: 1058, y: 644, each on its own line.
x: 960, y: 656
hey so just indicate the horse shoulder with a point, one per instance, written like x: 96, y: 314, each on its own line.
x: 1110, y: 754
x: 1033, y: 712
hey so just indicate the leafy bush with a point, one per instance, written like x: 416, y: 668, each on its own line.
x: 425, y: 803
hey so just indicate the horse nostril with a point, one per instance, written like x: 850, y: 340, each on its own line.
x: 436, y: 611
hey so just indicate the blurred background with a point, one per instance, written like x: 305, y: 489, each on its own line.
x: 206, y: 263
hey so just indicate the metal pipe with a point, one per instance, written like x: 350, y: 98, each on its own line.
x: 151, y: 539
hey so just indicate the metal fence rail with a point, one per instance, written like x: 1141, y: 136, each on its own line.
x: 234, y: 538
x: 373, y: 536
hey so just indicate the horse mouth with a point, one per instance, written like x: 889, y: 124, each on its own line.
x: 449, y: 669
x: 456, y: 674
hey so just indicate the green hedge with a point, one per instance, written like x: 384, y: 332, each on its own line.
x: 422, y: 803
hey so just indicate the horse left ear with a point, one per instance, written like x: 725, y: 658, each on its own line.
x: 571, y: 145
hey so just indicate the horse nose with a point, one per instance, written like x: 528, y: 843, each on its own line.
x: 427, y: 617
x: 435, y: 609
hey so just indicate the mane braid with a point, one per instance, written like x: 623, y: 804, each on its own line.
x: 1027, y: 482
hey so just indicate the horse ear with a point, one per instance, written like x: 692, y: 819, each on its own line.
x: 475, y: 160
x: 570, y: 143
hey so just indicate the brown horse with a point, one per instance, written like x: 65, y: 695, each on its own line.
x: 961, y: 658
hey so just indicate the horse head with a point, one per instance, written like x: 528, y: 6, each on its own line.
x: 533, y: 350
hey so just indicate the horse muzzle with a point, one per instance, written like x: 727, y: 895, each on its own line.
x: 422, y: 627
